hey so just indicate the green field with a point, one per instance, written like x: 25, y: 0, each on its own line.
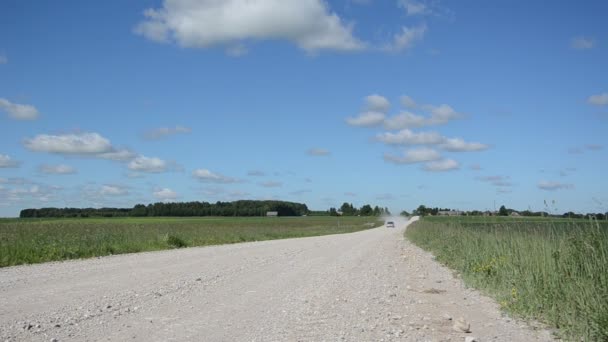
x: 552, y: 270
x: 26, y: 241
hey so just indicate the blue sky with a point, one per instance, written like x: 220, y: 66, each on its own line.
x: 393, y: 103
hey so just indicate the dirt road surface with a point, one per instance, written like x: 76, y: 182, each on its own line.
x: 366, y: 286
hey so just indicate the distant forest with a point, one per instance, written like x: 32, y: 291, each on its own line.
x: 181, y: 209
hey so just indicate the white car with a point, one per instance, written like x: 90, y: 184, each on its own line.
x: 390, y: 224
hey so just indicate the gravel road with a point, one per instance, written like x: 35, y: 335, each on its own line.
x: 367, y: 286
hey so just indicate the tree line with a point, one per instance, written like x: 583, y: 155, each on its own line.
x: 423, y: 210
x: 347, y: 209
x: 178, y: 209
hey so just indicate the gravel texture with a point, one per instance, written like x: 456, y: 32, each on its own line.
x: 366, y: 286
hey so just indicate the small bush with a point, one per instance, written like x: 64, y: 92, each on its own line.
x: 176, y: 242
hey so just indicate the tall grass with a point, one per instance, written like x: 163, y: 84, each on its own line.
x: 555, y: 271
x: 26, y: 241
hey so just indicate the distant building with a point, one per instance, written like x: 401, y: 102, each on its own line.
x: 515, y: 214
x: 449, y: 213
x: 272, y: 213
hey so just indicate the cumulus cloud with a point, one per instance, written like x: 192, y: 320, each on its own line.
x: 414, y: 7
x: 113, y: 190
x: 552, y: 186
x: 165, y: 194
x: 60, y: 169
x: 582, y: 43
x: 148, y: 164
x: 405, y: 120
x: 19, y: 111
x: 256, y: 173
x: 117, y: 155
x: 406, y: 38
x: 271, y: 184
x: 205, y: 175
x: 307, y: 23
x: 164, y: 132
x: 408, y: 102
x: 318, y: 152
x: 441, y: 165
x: 7, y: 162
x: 459, y: 145
x: 598, y: 100
x: 367, y: 119
x: 377, y: 103
x: 414, y: 156
x: 80, y: 143
x: 499, y: 181
x: 407, y: 137
x: 437, y: 115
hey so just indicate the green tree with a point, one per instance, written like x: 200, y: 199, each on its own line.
x: 503, y: 211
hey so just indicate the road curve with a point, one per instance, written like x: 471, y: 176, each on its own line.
x: 367, y: 286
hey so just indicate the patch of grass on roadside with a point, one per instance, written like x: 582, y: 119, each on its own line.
x: 552, y: 270
x: 28, y: 241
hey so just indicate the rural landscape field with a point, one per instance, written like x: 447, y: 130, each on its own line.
x: 27, y: 241
x: 551, y: 269
x: 304, y: 170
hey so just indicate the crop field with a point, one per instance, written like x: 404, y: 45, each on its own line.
x: 552, y: 270
x: 26, y: 241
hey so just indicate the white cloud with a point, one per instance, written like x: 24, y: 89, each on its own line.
x: 377, y: 103
x: 441, y: 114
x: 165, y: 194
x: 552, y: 186
x: 60, y: 169
x: 6, y: 161
x: 499, y: 181
x: 408, y: 102
x: 366, y: 119
x: 407, y: 38
x: 117, y: 155
x: 582, y: 43
x: 413, y: 7
x: 307, y: 23
x: 82, y: 143
x: 407, y: 137
x: 405, y: 120
x: 210, y: 177
x: 163, y: 132
x: 418, y: 155
x: 459, y: 145
x: 319, y: 152
x: 271, y: 184
x: 19, y: 111
x: 438, y: 115
x: 3, y: 59
x: 256, y: 173
x: 441, y: 165
x: 594, y: 147
x: 147, y: 164
x: 113, y: 190
x: 599, y: 99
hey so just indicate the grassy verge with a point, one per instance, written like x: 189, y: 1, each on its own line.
x: 26, y: 241
x: 555, y: 271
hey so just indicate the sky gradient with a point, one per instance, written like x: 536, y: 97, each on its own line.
x: 466, y: 105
